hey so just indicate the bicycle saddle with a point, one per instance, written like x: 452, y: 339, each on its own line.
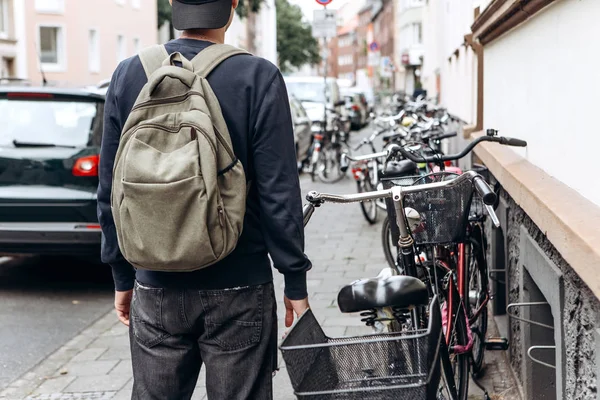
x: 398, y: 169
x: 383, y: 291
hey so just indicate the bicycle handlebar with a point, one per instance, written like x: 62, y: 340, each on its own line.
x: 394, y: 149
x: 345, y: 157
x: 442, y: 137
x: 484, y: 190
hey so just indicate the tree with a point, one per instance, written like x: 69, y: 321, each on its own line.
x: 164, y: 15
x: 295, y: 43
x: 245, y: 5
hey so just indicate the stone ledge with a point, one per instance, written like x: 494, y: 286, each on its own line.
x: 570, y: 221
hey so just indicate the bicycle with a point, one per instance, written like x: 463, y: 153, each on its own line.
x: 326, y: 151
x: 408, y: 360
x: 366, y: 174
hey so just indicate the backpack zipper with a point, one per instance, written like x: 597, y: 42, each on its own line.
x: 221, y: 216
x: 168, y: 100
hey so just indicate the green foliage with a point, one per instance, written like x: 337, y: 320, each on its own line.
x: 295, y: 43
x: 245, y: 5
x: 164, y: 12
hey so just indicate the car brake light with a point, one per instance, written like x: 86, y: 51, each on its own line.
x: 86, y: 166
x: 448, y: 163
x: 25, y: 95
x: 88, y: 226
x: 318, y: 137
x: 355, y: 107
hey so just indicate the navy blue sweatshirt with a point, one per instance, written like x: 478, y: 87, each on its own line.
x: 254, y: 101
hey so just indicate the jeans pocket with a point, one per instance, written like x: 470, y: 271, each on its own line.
x: 234, y: 317
x: 146, y: 315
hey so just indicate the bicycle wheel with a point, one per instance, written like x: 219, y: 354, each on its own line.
x: 478, y: 294
x: 329, y: 163
x: 390, y: 249
x: 369, y: 208
x: 459, y: 337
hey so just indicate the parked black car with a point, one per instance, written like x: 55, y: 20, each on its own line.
x: 49, y: 152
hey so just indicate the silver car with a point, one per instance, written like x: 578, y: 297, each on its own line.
x: 302, y: 130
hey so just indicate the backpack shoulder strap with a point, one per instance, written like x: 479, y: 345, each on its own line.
x: 152, y: 58
x: 212, y: 56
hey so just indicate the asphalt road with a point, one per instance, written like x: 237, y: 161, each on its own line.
x: 44, y: 302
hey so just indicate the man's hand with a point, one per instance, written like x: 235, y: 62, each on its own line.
x: 122, y: 305
x: 294, y: 306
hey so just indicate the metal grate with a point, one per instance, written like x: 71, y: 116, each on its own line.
x: 394, y: 366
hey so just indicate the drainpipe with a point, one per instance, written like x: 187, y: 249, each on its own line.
x: 478, y: 50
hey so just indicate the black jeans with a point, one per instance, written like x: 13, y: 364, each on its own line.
x: 233, y: 332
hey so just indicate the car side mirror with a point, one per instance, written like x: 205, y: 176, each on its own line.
x: 340, y: 103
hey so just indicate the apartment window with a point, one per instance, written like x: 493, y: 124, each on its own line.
x: 4, y: 18
x: 136, y: 3
x: 345, y: 60
x: 50, y: 6
x: 121, y: 50
x: 51, y: 44
x: 136, y: 45
x: 417, y: 33
x: 94, y: 48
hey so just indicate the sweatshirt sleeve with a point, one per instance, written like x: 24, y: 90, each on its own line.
x: 123, y: 272
x: 278, y: 186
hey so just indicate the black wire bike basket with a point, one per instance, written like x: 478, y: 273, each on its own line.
x: 444, y: 212
x: 390, y: 366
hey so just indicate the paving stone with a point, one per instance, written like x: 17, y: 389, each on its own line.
x: 90, y: 368
x: 90, y: 354
x: 123, y: 368
x: 111, y: 341
x: 97, y: 383
x: 54, y: 385
x: 116, y: 353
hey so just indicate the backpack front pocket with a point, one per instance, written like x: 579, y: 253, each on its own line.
x: 164, y: 225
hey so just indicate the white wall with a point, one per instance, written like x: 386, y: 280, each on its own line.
x: 446, y: 22
x: 542, y: 84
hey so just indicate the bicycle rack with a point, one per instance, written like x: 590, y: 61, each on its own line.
x: 529, y: 321
x: 535, y: 360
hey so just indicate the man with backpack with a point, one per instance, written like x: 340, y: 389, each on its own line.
x: 198, y: 186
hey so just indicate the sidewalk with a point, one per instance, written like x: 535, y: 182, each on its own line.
x: 342, y: 246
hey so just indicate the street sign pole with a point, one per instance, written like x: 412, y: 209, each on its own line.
x: 325, y: 27
x: 325, y: 71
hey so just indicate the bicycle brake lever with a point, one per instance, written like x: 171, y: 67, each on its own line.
x: 493, y: 216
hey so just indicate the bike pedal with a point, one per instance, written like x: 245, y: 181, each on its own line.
x: 495, y: 344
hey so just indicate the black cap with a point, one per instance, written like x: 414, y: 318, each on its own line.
x: 201, y: 14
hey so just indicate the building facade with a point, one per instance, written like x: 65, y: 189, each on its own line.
x: 364, y: 36
x: 383, y: 45
x: 12, y: 63
x: 347, y: 52
x: 78, y: 42
x: 409, y: 44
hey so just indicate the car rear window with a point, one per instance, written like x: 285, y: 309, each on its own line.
x: 68, y: 122
x: 307, y: 91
